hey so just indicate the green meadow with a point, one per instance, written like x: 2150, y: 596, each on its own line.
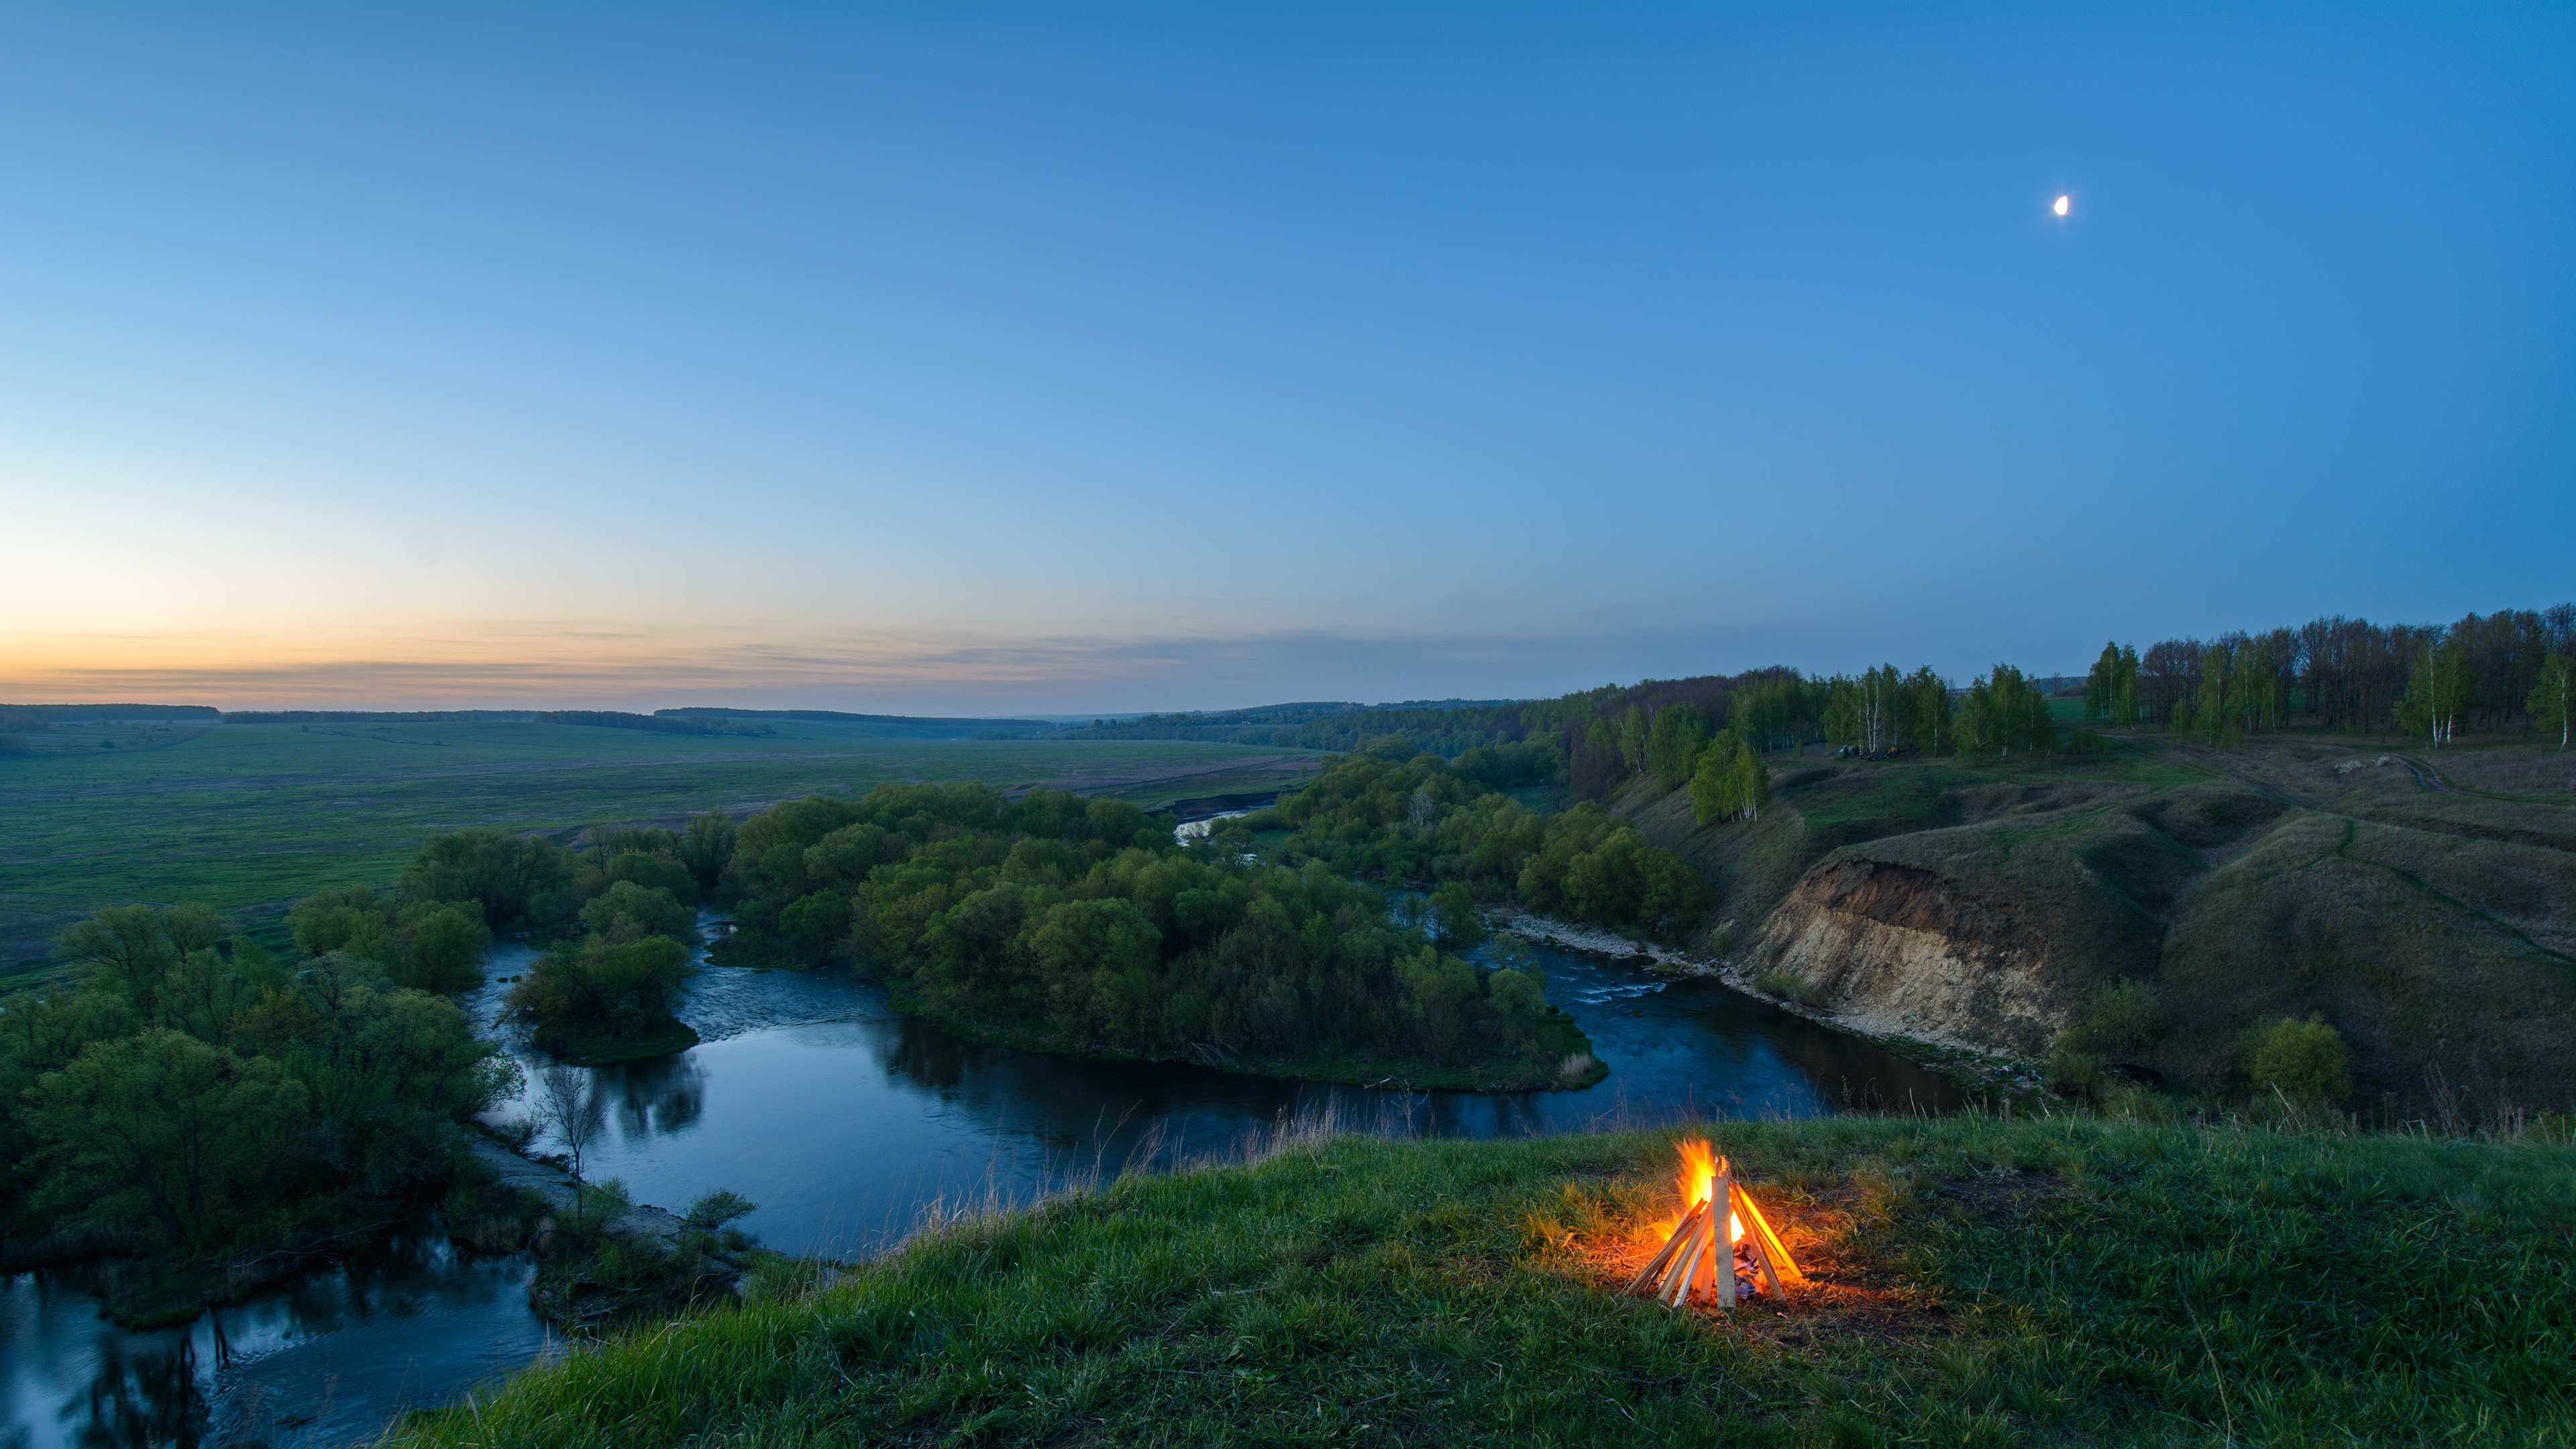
x: 249, y: 817
x: 1977, y: 1281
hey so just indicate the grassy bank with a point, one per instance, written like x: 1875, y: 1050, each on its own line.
x: 1980, y: 1281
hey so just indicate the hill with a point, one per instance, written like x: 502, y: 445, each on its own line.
x: 2429, y: 914
x: 1979, y: 1281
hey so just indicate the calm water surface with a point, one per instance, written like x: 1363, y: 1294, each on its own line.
x: 845, y: 1122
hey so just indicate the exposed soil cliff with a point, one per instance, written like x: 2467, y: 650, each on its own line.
x: 2430, y: 918
x: 1895, y: 950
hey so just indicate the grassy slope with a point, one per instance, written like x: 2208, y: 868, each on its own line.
x: 2432, y: 919
x: 248, y: 815
x: 1980, y: 1282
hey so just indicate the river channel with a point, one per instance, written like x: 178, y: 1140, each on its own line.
x: 846, y: 1122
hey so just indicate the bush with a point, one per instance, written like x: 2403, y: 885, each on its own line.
x: 2305, y: 1061
x: 2074, y: 1068
x: 2127, y: 1018
x: 1787, y: 985
x: 719, y: 1208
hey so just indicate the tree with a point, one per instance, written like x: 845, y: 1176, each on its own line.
x: 1928, y: 712
x: 1730, y: 782
x: 2438, y: 688
x: 162, y: 1130
x: 568, y: 1107
x: 2551, y: 696
x: 2305, y: 1061
x: 1679, y: 733
x: 1632, y: 739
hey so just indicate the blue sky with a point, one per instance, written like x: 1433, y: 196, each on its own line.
x: 972, y: 358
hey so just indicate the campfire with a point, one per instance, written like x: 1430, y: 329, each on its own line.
x: 1756, y: 1262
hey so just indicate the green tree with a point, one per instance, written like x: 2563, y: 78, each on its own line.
x: 162, y: 1131
x: 1928, y: 713
x: 2438, y: 688
x: 1632, y: 739
x: 2550, y: 698
x: 1673, y: 745
x: 2305, y: 1061
x: 1730, y: 782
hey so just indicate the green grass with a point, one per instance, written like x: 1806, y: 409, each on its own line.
x: 1979, y: 1281
x: 245, y: 817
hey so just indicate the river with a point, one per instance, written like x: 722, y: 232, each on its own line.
x: 846, y: 1122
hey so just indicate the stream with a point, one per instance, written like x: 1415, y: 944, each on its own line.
x: 847, y: 1123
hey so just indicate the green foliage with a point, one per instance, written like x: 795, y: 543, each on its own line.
x: 2111, y: 689
x: 517, y: 882
x: 718, y: 1208
x: 607, y: 986
x: 1787, y: 985
x: 2127, y: 1017
x: 627, y: 911
x: 1060, y: 921
x: 1730, y: 781
x: 433, y: 946
x: 193, y: 1095
x: 1419, y: 820
x: 705, y: 847
x: 1673, y: 744
x: 2074, y: 1068
x: 2306, y: 1061
x: 2003, y: 715
x: 2069, y: 1280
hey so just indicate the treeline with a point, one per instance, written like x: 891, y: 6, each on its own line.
x: 1413, y: 817
x: 2489, y: 673
x: 654, y: 723
x: 372, y: 716
x: 194, y: 1097
x: 1065, y: 923
x: 838, y: 716
x: 1448, y: 726
x: 19, y: 718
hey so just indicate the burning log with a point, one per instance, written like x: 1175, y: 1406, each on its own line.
x: 1754, y: 1258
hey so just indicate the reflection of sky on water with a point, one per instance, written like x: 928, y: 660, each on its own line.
x: 845, y: 1121
x: 324, y: 1361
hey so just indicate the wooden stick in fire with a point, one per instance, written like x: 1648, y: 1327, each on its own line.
x: 1767, y: 1243
x: 1654, y: 1271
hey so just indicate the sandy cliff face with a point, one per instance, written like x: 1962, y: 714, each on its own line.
x: 1895, y: 950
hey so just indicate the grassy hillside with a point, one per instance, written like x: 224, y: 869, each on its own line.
x: 246, y: 816
x: 2428, y: 913
x: 1980, y: 1281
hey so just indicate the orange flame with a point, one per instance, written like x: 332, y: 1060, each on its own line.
x: 1697, y: 1179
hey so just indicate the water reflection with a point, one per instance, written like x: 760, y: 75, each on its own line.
x: 325, y: 1360
x: 845, y: 1122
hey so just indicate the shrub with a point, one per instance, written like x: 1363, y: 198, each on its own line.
x: 2305, y: 1061
x: 1786, y: 985
x: 2127, y: 1018
x: 2074, y: 1068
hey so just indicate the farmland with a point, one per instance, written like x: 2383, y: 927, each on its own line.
x: 249, y: 817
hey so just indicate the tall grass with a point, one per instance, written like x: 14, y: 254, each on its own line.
x: 1984, y: 1281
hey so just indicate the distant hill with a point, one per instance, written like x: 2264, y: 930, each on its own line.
x: 878, y: 726
x: 29, y: 715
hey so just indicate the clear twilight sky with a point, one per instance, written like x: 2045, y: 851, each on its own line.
x: 1074, y: 357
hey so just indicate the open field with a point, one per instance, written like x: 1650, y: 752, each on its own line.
x: 249, y: 817
x: 1978, y: 1281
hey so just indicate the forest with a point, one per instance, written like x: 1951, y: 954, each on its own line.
x: 2513, y: 669
x: 1060, y: 923
x: 195, y: 1099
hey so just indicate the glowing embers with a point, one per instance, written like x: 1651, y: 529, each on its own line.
x: 1755, y: 1260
